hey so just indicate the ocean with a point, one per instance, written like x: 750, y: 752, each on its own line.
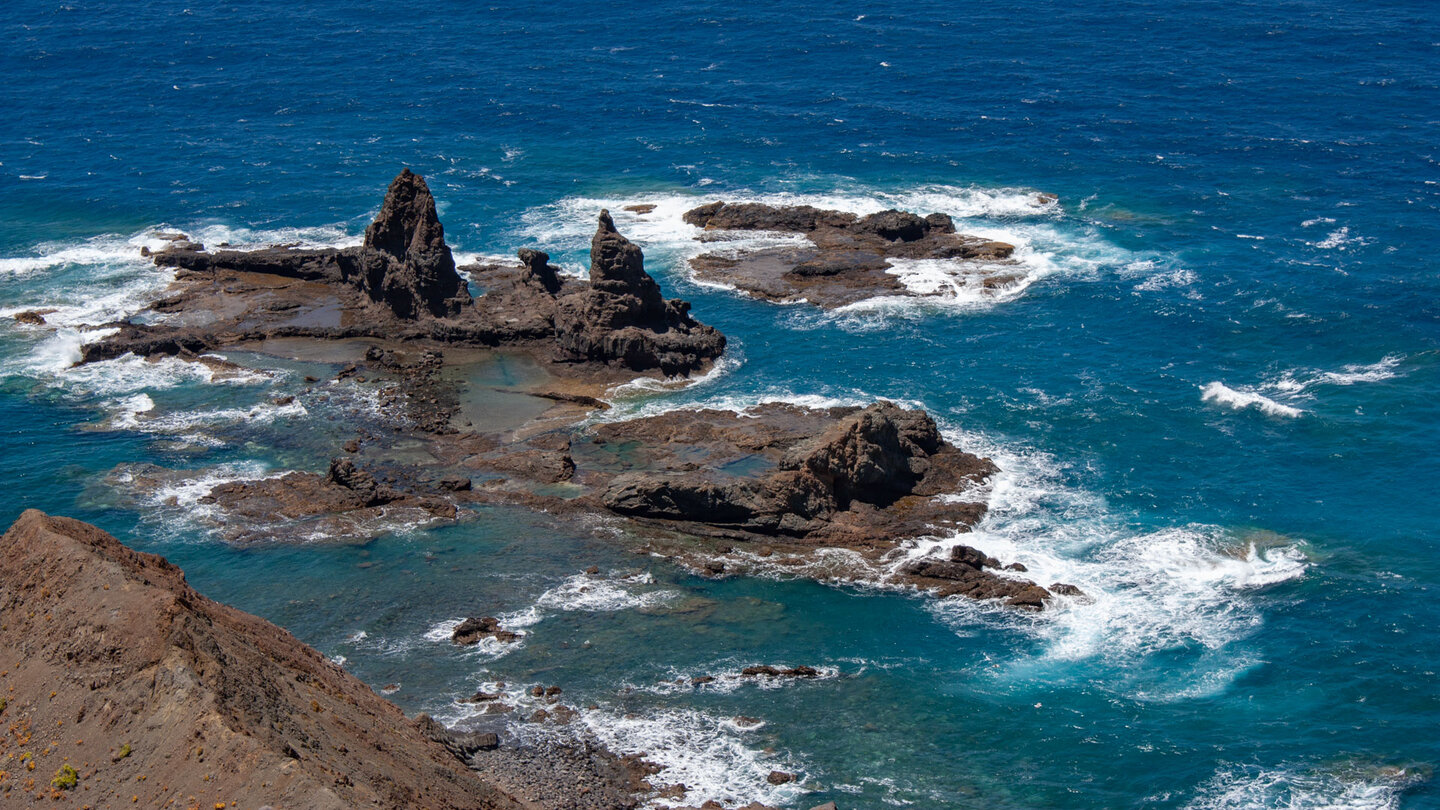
x: 1214, y: 393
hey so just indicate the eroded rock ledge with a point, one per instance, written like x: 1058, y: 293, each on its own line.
x: 402, y: 284
x: 846, y: 257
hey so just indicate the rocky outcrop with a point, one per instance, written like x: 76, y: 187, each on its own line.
x: 472, y: 630
x: 964, y: 573
x: 621, y: 318
x: 404, y: 261
x: 538, y: 270
x: 347, y: 502
x: 847, y: 256
x: 402, y: 284
x: 867, y: 458
x: 155, y: 695
x: 768, y: 671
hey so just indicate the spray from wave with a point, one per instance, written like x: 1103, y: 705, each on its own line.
x: 1353, y: 787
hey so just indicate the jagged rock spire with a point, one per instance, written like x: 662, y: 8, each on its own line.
x: 405, y: 261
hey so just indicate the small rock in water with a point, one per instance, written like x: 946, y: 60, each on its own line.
x: 472, y: 630
x: 1066, y: 589
x: 775, y: 672
x: 780, y: 778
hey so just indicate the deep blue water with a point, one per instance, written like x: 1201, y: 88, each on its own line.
x: 1247, y: 214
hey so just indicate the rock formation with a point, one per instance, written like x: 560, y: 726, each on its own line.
x: 402, y: 284
x: 848, y: 255
x: 155, y: 695
x: 621, y: 318
x: 472, y: 630
x: 871, y: 457
x: 405, y: 262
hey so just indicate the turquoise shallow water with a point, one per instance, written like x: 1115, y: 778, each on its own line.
x: 1214, y: 398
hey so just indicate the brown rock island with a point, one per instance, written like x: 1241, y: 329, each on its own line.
x: 831, y: 493
x: 844, y: 258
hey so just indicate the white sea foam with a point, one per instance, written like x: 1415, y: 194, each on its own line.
x: 1282, y: 395
x: 1341, y: 239
x: 1222, y: 394
x: 1047, y: 241
x: 126, y: 412
x: 706, y: 753
x: 1284, y: 788
x: 55, y: 353
x: 85, y: 283
x: 1171, y: 279
x: 728, y: 678
x: 129, y: 374
x: 1302, y: 382
x: 262, y: 413
x: 744, y: 405
x: 184, y: 490
x: 583, y: 592
x: 1146, y: 590
x: 644, y: 386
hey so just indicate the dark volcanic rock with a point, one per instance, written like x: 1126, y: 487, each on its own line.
x: 472, y: 630
x: 288, y: 262
x: 402, y: 284
x: 146, y: 342
x: 761, y: 217
x: 463, y: 744
x: 539, y: 271
x: 617, y: 266
x: 794, y: 480
x: 895, y: 226
x: 873, y: 456
x: 949, y: 578
x: 777, y: 672
x: 622, y: 319
x: 849, y: 257
x: 344, y: 472
x: 405, y: 262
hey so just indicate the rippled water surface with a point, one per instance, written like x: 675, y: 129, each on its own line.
x: 1212, y: 392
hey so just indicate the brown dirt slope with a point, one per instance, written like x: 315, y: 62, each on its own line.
x: 156, y: 696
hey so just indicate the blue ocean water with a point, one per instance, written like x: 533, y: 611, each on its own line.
x: 1214, y: 396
